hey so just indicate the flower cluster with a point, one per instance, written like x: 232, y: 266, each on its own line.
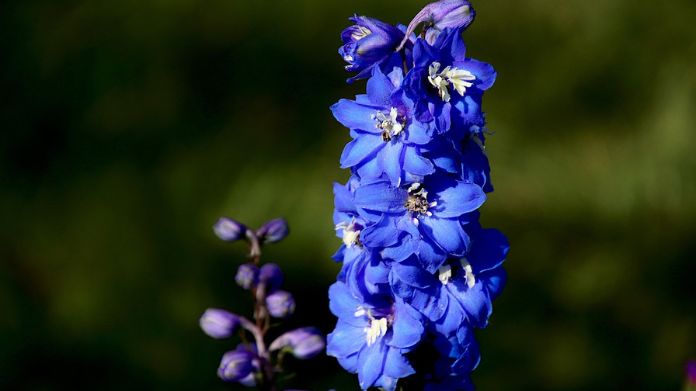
x: 252, y: 363
x: 419, y: 273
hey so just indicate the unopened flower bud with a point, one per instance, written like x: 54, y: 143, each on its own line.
x: 367, y: 43
x: 273, y: 231
x: 303, y: 343
x: 236, y: 365
x: 280, y: 304
x: 441, y: 15
x: 218, y: 323
x: 229, y: 230
x: 247, y: 275
x: 272, y: 276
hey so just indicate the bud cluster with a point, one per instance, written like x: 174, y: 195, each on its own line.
x: 251, y: 363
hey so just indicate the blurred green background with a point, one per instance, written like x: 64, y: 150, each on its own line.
x: 128, y: 127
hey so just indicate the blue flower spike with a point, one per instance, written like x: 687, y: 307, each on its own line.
x: 418, y: 271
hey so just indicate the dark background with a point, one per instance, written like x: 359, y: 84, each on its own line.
x: 128, y: 127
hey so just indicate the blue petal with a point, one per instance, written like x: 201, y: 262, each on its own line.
x: 371, y: 364
x: 396, y: 365
x: 489, y: 247
x: 380, y: 197
x: 447, y: 233
x: 349, y: 363
x: 400, y: 252
x: 356, y: 116
x: 412, y: 274
x: 418, y: 133
x: 343, y: 304
x: 359, y: 149
x: 407, y: 327
x: 382, y: 234
x: 390, y: 160
x: 343, y: 200
x: 379, y: 88
x: 416, y: 164
x: 485, y: 73
x: 345, y: 340
x: 459, y: 199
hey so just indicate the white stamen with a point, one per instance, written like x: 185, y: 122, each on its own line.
x: 444, y: 274
x: 360, y: 33
x: 376, y: 330
x: 351, y: 236
x: 468, y: 273
x: 459, y: 79
x: 415, y: 221
x: 389, y: 123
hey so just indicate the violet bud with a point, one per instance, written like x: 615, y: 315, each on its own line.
x: 247, y: 275
x: 280, y: 304
x: 367, y: 43
x: 272, y: 276
x: 273, y: 231
x: 236, y: 365
x: 219, y: 323
x: 303, y: 343
x: 440, y: 15
x: 229, y: 230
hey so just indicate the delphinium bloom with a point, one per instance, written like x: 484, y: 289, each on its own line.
x: 419, y: 272
x: 252, y: 363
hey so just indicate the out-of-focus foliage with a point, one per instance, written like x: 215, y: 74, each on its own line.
x: 129, y: 127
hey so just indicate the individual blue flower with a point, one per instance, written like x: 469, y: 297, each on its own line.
x: 371, y: 337
x: 448, y: 85
x: 387, y: 138
x: 461, y: 292
x: 430, y: 214
x: 367, y: 44
x: 363, y: 270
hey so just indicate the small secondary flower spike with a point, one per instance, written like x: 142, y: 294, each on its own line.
x: 419, y: 273
x: 251, y: 363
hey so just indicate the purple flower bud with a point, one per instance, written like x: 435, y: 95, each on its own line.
x: 303, y: 343
x: 280, y: 304
x: 367, y: 43
x: 229, y: 230
x: 247, y: 275
x: 218, y: 323
x: 273, y: 231
x: 272, y: 276
x: 440, y: 15
x: 236, y: 365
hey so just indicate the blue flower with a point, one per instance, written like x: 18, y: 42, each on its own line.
x: 363, y: 270
x: 446, y: 84
x: 461, y: 292
x: 387, y: 138
x: 372, y: 336
x: 367, y: 44
x: 423, y: 218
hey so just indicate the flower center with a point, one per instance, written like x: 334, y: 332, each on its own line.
x: 360, y: 33
x: 376, y: 330
x: 460, y: 79
x: 417, y: 202
x: 351, y: 233
x: 378, y: 326
x: 390, y: 124
x: 468, y: 273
